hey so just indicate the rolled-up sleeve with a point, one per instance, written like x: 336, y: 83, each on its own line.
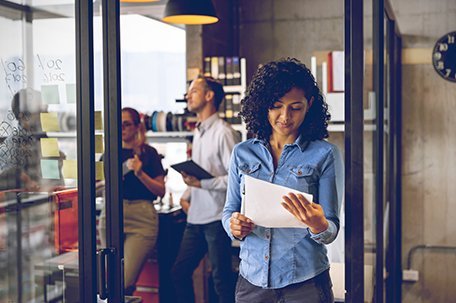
x: 331, y: 192
x: 233, y: 195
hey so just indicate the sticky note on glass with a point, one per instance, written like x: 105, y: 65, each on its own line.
x: 99, y: 144
x: 99, y: 170
x: 50, y: 94
x: 49, y: 147
x: 49, y: 122
x: 70, y: 169
x: 98, y: 120
x: 50, y: 169
x: 71, y: 93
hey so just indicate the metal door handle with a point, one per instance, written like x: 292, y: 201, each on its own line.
x: 101, y: 271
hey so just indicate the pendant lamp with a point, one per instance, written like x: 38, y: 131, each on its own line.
x: 138, y: 1
x: 190, y: 12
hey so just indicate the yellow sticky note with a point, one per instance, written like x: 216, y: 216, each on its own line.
x: 49, y: 122
x: 70, y: 169
x: 98, y: 120
x: 49, y: 147
x: 99, y: 170
x: 99, y: 144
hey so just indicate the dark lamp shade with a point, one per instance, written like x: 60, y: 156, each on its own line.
x: 190, y: 12
x: 138, y: 1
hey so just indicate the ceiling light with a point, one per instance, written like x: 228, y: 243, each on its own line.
x: 190, y: 12
x: 138, y: 1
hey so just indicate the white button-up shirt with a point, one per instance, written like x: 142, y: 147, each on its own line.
x: 213, y: 143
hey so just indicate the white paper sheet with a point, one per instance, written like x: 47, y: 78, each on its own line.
x: 262, y: 204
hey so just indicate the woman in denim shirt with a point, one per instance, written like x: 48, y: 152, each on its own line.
x: 285, y: 110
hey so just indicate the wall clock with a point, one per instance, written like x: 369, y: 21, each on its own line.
x: 444, y: 56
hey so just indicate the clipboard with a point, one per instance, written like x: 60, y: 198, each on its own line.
x: 192, y: 169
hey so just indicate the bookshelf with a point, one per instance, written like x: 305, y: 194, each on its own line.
x: 332, y: 89
x: 231, y: 72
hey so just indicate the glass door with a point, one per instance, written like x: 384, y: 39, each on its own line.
x: 40, y: 245
x: 51, y: 140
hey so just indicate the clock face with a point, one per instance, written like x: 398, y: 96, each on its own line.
x: 444, y: 56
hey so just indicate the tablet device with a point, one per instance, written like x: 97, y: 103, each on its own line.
x: 192, y: 169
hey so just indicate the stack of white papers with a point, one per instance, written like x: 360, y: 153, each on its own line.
x: 262, y: 204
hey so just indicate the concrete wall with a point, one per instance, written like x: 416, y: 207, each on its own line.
x: 428, y: 182
x: 429, y: 152
x: 287, y: 28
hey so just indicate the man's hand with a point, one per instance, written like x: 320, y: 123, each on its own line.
x: 191, y: 180
x: 240, y: 225
x: 309, y: 213
x: 185, y: 205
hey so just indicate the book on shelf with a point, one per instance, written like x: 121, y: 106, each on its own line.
x: 214, y: 67
x: 207, y: 67
x: 236, y: 109
x: 221, y: 70
x: 336, y: 70
x: 236, y: 71
x: 229, y: 70
x: 229, y: 108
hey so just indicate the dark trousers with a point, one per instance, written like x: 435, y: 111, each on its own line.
x: 315, y: 290
x: 197, y: 240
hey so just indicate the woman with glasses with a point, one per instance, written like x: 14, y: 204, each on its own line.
x: 143, y: 182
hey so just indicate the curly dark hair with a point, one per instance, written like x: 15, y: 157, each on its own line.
x: 270, y: 83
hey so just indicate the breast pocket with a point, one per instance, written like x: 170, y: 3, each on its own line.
x: 250, y: 169
x: 302, y: 178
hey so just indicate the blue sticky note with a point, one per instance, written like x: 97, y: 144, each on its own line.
x: 71, y: 93
x: 50, y: 169
x: 50, y: 94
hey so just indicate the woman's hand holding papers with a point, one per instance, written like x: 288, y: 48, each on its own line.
x: 309, y: 213
x: 240, y: 225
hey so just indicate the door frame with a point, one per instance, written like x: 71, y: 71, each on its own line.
x: 85, y: 150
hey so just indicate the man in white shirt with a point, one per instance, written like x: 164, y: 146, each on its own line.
x: 203, y: 201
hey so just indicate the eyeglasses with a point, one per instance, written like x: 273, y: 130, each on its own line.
x: 126, y: 124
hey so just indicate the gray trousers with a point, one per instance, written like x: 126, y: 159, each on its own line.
x: 140, y: 235
x: 315, y: 290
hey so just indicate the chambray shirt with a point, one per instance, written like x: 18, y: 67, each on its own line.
x: 213, y: 143
x: 277, y: 257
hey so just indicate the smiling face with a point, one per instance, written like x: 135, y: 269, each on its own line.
x: 288, y: 113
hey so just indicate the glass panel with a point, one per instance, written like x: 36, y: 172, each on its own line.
x: 386, y: 148
x: 153, y: 76
x: 38, y: 182
x: 369, y: 161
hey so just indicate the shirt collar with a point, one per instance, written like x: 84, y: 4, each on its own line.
x: 299, y: 142
x: 206, y: 124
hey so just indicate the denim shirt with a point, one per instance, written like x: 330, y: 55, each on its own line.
x: 277, y: 257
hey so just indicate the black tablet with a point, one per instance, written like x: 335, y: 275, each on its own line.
x: 193, y: 169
